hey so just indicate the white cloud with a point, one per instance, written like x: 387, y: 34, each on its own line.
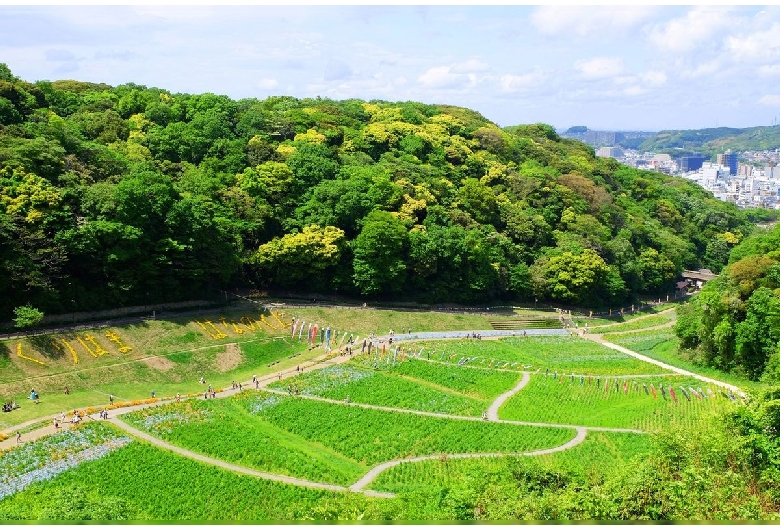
x: 704, y: 69
x: 589, y: 20
x: 600, y: 67
x: 460, y: 75
x: 754, y: 47
x: 699, y: 27
x: 773, y: 100
x: 522, y: 83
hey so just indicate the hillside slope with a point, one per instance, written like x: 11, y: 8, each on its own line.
x: 124, y: 195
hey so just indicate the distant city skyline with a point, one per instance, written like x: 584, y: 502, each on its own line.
x: 621, y: 68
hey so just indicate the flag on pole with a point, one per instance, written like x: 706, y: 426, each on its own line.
x: 663, y: 392
x: 647, y: 392
x: 625, y: 387
x: 682, y: 388
x: 652, y: 389
x: 672, y: 393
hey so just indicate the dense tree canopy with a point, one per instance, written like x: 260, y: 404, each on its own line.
x: 734, y: 323
x: 129, y: 194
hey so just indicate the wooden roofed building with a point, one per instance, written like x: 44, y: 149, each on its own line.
x: 696, y: 278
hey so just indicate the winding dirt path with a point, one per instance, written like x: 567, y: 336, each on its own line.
x: 373, y: 473
x: 492, y: 412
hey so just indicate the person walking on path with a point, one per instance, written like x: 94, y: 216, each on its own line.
x: 18, y: 437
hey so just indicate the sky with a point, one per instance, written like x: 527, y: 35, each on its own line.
x: 607, y: 67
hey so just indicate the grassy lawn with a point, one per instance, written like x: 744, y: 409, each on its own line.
x: 166, y: 374
x: 599, y: 403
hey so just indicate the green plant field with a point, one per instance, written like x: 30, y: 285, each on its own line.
x: 221, y: 429
x: 479, y: 383
x: 274, y: 433
x: 554, y: 353
x: 44, y: 459
x: 402, y: 386
x: 561, y: 400
x: 141, y: 482
x: 599, y: 455
x: 662, y: 345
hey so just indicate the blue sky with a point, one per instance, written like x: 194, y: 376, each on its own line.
x: 606, y: 67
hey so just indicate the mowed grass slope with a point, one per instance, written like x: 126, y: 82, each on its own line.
x: 380, y: 322
x: 614, y: 402
x: 166, y: 357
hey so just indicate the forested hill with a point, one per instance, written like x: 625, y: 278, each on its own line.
x: 716, y: 140
x: 123, y: 195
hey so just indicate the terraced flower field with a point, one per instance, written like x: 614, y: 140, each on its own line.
x: 414, y: 385
x: 141, y: 482
x: 597, y: 456
x: 324, y: 441
x: 614, y: 402
x: 37, y: 462
x: 559, y: 353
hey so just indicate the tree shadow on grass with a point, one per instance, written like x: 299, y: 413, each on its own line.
x: 5, y: 355
x: 48, y: 346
